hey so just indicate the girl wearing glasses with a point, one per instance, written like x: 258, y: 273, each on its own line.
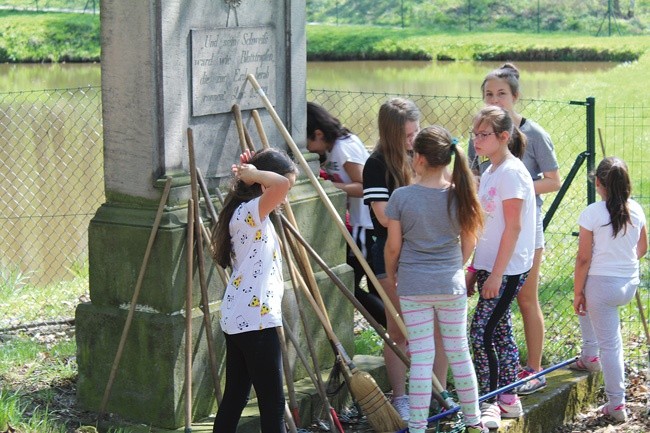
x: 502, y: 259
x: 501, y: 88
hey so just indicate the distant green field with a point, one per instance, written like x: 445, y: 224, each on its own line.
x: 27, y: 37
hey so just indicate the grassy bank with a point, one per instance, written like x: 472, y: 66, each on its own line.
x: 325, y: 42
x: 28, y: 37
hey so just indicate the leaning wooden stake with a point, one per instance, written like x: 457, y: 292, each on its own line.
x: 205, y: 300
x: 188, y: 315
x: 381, y: 415
x: 134, y: 298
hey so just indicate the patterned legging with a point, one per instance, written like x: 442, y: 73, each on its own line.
x: 496, y: 357
x: 451, y: 310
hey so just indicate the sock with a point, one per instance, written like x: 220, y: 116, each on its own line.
x: 508, y: 398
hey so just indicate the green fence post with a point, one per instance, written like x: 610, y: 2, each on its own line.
x: 591, y: 146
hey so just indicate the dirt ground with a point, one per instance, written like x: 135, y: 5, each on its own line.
x: 63, y: 405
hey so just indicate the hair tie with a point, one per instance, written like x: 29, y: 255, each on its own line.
x: 454, y: 142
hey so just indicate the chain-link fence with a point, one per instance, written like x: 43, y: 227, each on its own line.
x: 52, y: 181
x: 571, y: 128
x: 51, y: 184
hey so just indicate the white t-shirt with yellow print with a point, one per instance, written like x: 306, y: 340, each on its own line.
x: 253, y: 297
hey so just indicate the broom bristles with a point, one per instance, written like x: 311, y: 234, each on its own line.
x: 381, y: 415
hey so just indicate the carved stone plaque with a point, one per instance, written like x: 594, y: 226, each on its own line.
x: 221, y: 60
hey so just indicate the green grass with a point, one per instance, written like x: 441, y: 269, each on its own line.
x: 48, y: 37
x: 33, y: 366
x: 354, y: 42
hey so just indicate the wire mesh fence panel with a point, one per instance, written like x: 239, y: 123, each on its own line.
x: 51, y: 183
x: 566, y: 123
x: 51, y: 172
x: 626, y: 134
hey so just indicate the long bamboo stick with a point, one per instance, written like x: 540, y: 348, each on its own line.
x: 205, y: 300
x: 134, y: 298
x: 188, y: 316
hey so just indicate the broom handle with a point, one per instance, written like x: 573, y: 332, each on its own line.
x: 134, y: 298
x: 315, y: 379
x: 331, y: 414
x: 328, y: 204
x: 240, y: 131
x: 245, y: 141
x: 260, y: 129
x: 188, y: 315
x: 206, y: 197
x: 319, y: 314
x: 205, y: 300
x: 288, y: 375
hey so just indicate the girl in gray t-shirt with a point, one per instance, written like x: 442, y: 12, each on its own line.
x: 432, y: 230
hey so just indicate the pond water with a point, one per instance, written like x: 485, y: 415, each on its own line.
x: 404, y: 77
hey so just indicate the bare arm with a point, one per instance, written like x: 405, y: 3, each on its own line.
x: 379, y: 208
x: 355, y: 187
x: 583, y: 262
x: 642, y: 245
x: 512, y: 216
x: 550, y: 182
x: 467, y: 245
x: 392, y: 250
x: 274, y: 185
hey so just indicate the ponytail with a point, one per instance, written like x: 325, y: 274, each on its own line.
x: 518, y: 142
x: 613, y: 176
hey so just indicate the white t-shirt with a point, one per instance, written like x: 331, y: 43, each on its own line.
x: 509, y: 180
x: 253, y: 297
x: 613, y: 257
x: 349, y: 149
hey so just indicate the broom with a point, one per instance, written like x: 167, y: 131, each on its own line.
x: 381, y: 415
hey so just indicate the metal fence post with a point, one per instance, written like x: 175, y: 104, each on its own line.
x: 591, y: 146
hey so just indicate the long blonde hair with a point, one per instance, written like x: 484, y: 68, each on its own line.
x: 391, y: 122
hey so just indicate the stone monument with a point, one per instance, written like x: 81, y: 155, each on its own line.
x: 168, y: 66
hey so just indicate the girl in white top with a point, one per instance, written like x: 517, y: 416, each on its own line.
x: 613, y: 237
x: 344, y: 156
x: 251, y: 306
x: 503, y: 257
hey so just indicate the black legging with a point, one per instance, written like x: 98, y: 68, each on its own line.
x: 252, y: 358
x: 371, y: 300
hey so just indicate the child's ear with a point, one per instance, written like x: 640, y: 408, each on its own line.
x: 319, y: 134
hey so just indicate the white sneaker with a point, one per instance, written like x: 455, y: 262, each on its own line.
x: 401, y: 405
x: 618, y: 413
x: 490, y: 415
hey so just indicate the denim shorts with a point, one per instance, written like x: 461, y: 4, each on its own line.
x: 377, y: 251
